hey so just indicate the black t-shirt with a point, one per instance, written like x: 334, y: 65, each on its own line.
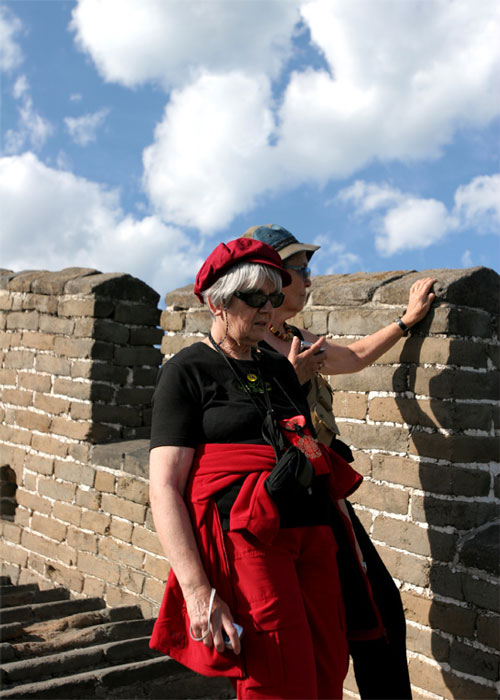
x: 198, y: 398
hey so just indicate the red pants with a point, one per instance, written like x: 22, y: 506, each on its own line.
x: 289, y: 604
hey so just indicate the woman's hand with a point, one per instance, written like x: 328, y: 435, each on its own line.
x: 307, y: 362
x: 419, y: 302
x: 198, y: 604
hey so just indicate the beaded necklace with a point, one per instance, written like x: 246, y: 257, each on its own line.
x: 287, y: 333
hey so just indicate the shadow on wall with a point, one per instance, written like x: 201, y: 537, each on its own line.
x: 8, y: 488
x: 451, y: 433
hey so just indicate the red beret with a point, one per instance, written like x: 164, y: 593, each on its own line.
x: 226, y: 255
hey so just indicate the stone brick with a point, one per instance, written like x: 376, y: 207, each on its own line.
x: 154, y: 590
x: 11, y: 533
x: 87, y: 306
x: 455, y: 448
x: 121, y: 529
x: 82, y: 541
x: 361, y: 322
x: 33, y: 421
x: 20, y: 436
x: 67, y: 513
x: 405, y: 566
x: 121, y: 552
x: 473, y: 661
x: 137, y: 314
x: 144, y: 376
x: 316, y: 322
x: 88, y: 499
x: 78, y: 430
x: 98, y: 567
x: 74, y: 473
x: 171, y: 344
x: 197, y: 322
x: 22, y: 517
x: 122, y: 415
x: 41, y: 302
x: 488, y: 630
x: 97, y: 522
x: 172, y: 320
x: 66, y: 576
x: 34, y: 382
x: 145, y: 336
x: 427, y: 642
x: 132, y: 580
x: 84, y: 391
x: 350, y: 405
x: 145, y: 539
x: 380, y: 497
x: 81, y: 410
x: 446, y: 581
x: 116, y: 596
x: 445, y: 512
x: 453, y: 383
x: 33, y: 501
x: 480, y: 592
x: 99, y: 371
x: 132, y: 489
x: 24, y: 320
x: 18, y: 397
x: 19, y: 359
x: 49, y: 527
x: 50, y: 445
x: 56, y: 490
x: 137, y: 355
x: 380, y: 437
x: 427, y: 675
x: 51, y: 404
x: 482, y: 550
x: 452, y: 619
x: 80, y: 453
x: 104, y: 481
x: 5, y: 300
x: 157, y: 567
x: 13, y: 554
x: 123, y: 508
x: 134, y: 396
x: 101, y: 329
x: 53, y: 365
x: 402, y: 535
x: 37, y: 340
x: 48, y: 548
x: 40, y: 464
x: 56, y: 325
x: 372, y: 379
x: 93, y: 587
x: 73, y: 347
x: 8, y: 377
x: 362, y: 463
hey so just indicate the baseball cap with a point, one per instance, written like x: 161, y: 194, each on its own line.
x: 280, y: 239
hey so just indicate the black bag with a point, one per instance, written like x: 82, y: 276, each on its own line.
x: 292, y: 473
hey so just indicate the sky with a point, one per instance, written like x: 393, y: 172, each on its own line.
x: 138, y: 134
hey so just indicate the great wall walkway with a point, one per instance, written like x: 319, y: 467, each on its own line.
x: 52, y: 646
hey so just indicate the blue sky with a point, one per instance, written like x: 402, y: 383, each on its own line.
x: 138, y: 134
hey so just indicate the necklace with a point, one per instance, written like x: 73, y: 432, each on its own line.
x: 287, y: 333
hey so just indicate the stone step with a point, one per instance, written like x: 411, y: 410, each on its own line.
x: 16, y: 596
x: 86, y: 637
x: 83, y: 659
x: 45, y: 611
x: 5, y: 581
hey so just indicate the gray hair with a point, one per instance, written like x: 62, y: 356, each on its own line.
x: 240, y: 278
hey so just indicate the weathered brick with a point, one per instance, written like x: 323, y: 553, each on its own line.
x: 132, y: 580
x: 24, y: 320
x: 18, y: 397
x: 39, y: 341
x: 86, y: 306
x: 116, y: 596
x: 8, y: 377
x: 104, y: 481
x: 123, y: 508
x: 172, y: 320
x: 82, y: 541
x: 66, y: 576
x: 154, y: 589
x: 98, y: 567
x: 49, y: 445
x: 197, y: 322
x: 343, y: 321
x: 145, y: 539
x: 19, y: 359
x: 380, y: 497
x: 13, y: 554
x: 69, y: 387
x: 78, y: 430
x: 121, y: 529
x: 381, y: 437
x: 427, y: 642
x: 137, y: 314
x: 145, y: 336
x: 362, y: 463
x: 67, y: 513
x: 33, y: 421
x: 49, y: 527
x: 132, y: 489
x: 22, y: 517
x: 75, y: 473
x: 349, y: 405
x: 97, y: 522
x: 451, y: 383
x: 402, y: 535
x: 455, y: 448
x: 157, y: 567
x: 56, y: 325
x: 40, y: 464
x: 446, y: 512
x: 453, y: 619
x: 73, y: 347
x: 41, y: 302
x: 10, y: 339
x: 488, y: 630
x: 121, y: 552
x: 137, y: 355
x: 5, y: 300
x: 373, y: 379
x: 88, y: 499
x: 53, y: 365
x: 93, y: 587
x: 405, y: 566
x: 480, y: 592
x: 172, y: 344
x: 33, y: 501
x: 33, y: 381
x: 80, y: 453
x: 123, y: 415
x: 144, y: 376
x: 11, y: 532
x: 56, y: 490
x: 475, y: 662
x: 134, y: 396
x: 51, y: 404
x: 427, y: 675
x: 48, y: 548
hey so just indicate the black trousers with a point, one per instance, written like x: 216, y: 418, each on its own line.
x: 380, y: 665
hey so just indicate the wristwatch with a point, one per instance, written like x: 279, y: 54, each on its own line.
x: 402, y: 325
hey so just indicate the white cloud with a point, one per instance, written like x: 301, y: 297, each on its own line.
x: 405, y: 222
x: 134, y: 41
x: 72, y: 221
x: 467, y: 259
x: 202, y: 172
x: 32, y: 129
x: 10, y: 52
x: 83, y: 129
x: 479, y: 203
x: 340, y: 259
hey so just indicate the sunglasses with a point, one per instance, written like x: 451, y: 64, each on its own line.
x: 258, y: 299
x: 302, y: 270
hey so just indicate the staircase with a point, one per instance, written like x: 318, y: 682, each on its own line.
x: 53, y: 647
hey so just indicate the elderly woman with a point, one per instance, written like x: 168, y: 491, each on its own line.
x: 380, y: 664
x: 251, y: 555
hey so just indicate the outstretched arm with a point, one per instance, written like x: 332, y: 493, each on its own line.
x: 345, y: 359
x: 169, y: 469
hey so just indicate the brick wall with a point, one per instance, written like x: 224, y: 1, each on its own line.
x: 78, y: 365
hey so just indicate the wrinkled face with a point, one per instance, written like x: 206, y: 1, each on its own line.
x: 296, y: 292
x: 248, y: 325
